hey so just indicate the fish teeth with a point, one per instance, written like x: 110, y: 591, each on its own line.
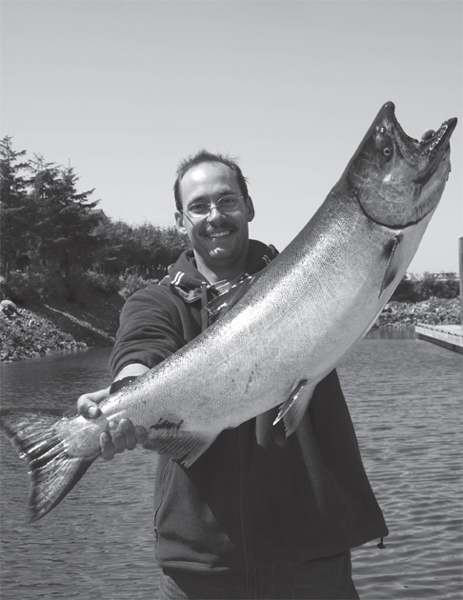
x: 435, y: 140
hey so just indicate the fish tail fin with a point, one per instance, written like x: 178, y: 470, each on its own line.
x: 52, y: 472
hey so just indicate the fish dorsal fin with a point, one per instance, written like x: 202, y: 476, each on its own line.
x: 293, y: 410
x: 394, y: 261
x: 223, y: 302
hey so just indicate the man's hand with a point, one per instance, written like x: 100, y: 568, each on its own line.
x: 87, y: 405
x: 119, y: 436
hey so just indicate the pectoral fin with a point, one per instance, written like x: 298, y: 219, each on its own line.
x: 295, y: 406
x: 394, y: 263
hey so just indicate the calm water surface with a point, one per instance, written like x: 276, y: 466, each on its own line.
x: 405, y: 398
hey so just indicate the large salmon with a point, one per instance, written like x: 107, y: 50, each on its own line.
x: 280, y: 332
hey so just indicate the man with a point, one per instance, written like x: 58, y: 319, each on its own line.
x: 257, y: 515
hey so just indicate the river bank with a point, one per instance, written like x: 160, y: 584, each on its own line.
x: 434, y: 311
x: 36, y: 330
x: 41, y: 329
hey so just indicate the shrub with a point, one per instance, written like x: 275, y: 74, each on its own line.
x: 129, y: 283
x: 30, y: 286
x: 406, y: 291
x: 432, y: 286
x: 415, y: 288
x: 102, y: 283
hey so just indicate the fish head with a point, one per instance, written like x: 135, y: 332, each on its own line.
x: 398, y: 180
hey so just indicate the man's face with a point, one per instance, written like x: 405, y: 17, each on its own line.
x: 219, y: 239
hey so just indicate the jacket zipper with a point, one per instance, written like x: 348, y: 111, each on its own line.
x: 163, y: 493
x: 241, y: 462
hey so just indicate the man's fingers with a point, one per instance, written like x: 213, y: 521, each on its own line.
x: 107, y: 447
x: 140, y: 433
x: 117, y: 436
x: 87, y: 404
x: 87, y: 408
x: 127, y: 429
x: 93, y: 411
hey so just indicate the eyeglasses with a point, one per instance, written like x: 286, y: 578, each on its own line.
x: 226, y: 204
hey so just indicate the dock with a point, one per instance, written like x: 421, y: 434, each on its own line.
x: 448, y: 336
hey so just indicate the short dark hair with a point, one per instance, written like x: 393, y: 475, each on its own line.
x: 203, y: 156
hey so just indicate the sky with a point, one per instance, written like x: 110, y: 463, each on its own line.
x: 124, y: 90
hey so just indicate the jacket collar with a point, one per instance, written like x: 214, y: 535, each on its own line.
x: 188, y: 283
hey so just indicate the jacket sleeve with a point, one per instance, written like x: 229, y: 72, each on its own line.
x: 150, y: 329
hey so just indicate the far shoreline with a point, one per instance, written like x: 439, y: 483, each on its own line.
x: 46, y: 329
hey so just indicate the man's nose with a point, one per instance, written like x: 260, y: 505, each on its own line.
x: 215, y: 215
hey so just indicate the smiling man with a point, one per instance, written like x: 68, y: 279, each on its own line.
x: 214, y: 212
x: 257, y: 515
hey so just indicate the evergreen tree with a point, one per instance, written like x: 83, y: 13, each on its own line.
x: 145, y: 250
x: 116, y: 247
x: 56, y: 243
x: 15, y: 209
x: 65, y: 220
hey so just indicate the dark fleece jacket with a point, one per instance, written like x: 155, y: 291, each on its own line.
x: 249, y: 500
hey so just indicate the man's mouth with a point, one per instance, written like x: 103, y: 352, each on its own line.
x: 219, y: 234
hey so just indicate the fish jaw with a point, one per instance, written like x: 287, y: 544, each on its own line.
x: 396, y: 179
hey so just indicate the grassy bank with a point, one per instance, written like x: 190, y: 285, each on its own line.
x: 41, y: 329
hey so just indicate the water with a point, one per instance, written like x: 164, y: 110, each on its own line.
x: 405, y: 399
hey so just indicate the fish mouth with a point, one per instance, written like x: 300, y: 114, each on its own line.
x: 432, y: 144
x: 397, y: 179
x: 428, y: 148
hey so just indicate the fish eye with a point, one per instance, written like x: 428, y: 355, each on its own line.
x: 387, y: 151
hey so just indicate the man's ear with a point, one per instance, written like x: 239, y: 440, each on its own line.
x: 179, y: 222
x: 250, y: 208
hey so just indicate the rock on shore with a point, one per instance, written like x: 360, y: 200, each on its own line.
x: 435, y: 311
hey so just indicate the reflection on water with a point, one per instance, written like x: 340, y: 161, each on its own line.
x: 405, y: 400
